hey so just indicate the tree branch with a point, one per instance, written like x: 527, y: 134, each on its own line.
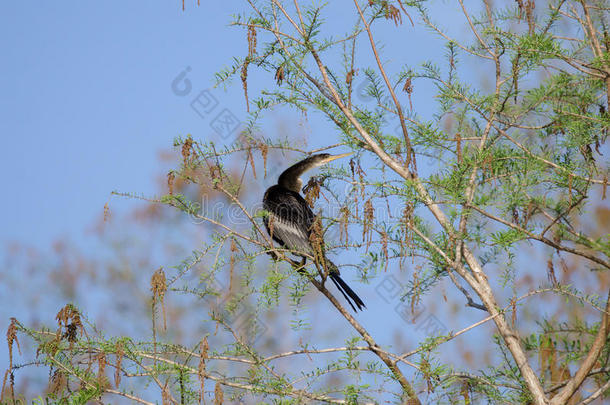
x: 589, y: 362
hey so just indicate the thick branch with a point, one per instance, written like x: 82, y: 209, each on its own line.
x: 480, y: 285
x: 589, y: 361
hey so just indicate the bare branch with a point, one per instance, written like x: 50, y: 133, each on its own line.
x: 589, y: 362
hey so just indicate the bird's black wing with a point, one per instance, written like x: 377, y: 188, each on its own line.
x: 289, y: 223
x: 290, y: 218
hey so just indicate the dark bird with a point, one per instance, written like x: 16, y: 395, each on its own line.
x: 289, y: 220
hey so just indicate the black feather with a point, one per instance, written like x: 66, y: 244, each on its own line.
x: 347, y: 292
x: 290, y: 220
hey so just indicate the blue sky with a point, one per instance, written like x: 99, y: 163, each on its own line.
x: 87, y: 108
x: 88, y: 103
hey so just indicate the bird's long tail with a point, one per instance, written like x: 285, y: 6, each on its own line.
x: 345, y: 289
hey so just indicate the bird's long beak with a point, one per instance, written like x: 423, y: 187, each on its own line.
x: 335, y: 157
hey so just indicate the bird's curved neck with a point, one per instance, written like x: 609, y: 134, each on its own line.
x: 290, y: 178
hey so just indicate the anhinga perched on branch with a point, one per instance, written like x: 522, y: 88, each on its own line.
x: 290, y: 220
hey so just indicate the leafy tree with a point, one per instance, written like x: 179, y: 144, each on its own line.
x: 488, y: 195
